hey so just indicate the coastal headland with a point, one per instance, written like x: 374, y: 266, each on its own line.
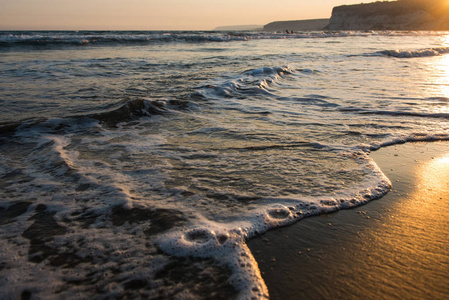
x: 392, y: 15
x: 380, y: 15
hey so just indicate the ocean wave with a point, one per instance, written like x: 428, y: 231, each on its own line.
x: 108, y: 38
x: 55, y: 39
x: 415, y: 53
x: 130, y: 110
x: 7, y: 127
x: 50, y: 39
x: 249, y: 83
x: 111, y: 116
x: 395, y: 113
x: 269, y: 71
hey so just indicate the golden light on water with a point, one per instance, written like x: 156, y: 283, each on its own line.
x: 438, y: 78
x: 446, y: 39
x: 441, y: 69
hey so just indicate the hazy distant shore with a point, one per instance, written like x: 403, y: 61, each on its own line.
x: 297, y: 25
x: 300, y: 25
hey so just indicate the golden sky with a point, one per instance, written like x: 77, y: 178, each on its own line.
x: 156, y: 14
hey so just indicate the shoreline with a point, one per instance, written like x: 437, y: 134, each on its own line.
x: 393, y: 247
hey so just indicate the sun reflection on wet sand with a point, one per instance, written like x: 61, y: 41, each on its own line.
x: 392, y: 248
x: 416, y: 235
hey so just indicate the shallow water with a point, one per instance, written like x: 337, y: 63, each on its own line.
x: 128, y: 158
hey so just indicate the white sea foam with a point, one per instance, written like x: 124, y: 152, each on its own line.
x: 50, y: 39
x: 416, y: 53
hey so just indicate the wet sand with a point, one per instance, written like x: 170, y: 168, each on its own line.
x: 396, y: 247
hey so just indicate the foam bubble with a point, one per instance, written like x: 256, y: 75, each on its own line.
x: 226, y: 246
x: 279, y: 213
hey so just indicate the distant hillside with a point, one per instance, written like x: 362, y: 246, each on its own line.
x: 392, y: 15
x: 239, y: 28
x: 301, y: 25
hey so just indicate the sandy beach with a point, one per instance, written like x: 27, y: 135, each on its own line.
x: 391, y: 248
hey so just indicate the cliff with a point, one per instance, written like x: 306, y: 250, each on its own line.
x: 302, y: 25
x: 392, y: 15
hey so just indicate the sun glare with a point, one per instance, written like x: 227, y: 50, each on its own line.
x: 438, y: 78
x: 433, y: 178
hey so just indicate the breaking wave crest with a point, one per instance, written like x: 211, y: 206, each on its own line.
x: 124, y: 111
x: 251, y: 82
x: 130, y: 110
x: 60, y: 39
x: 416, y: 53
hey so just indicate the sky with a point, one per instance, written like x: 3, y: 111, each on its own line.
x: 156, y: 14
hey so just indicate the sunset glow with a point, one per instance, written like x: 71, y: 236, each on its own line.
x: 155, y: 14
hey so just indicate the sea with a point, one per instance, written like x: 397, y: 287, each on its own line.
x: 137, y: 164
